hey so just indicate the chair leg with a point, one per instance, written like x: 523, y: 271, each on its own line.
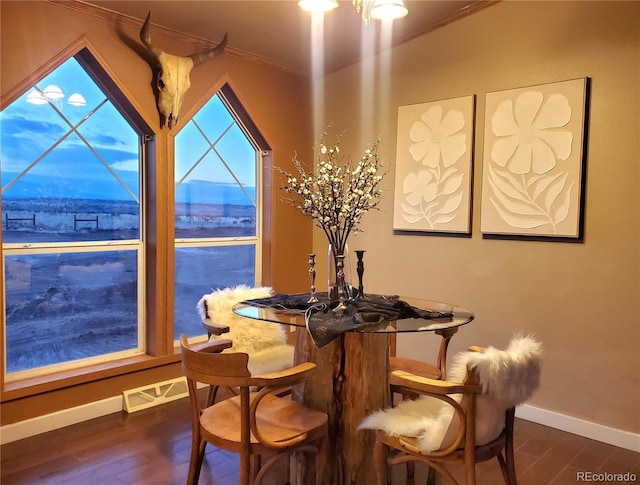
x: 321, y: 461
x: 289, y: 458
x: 256, y: 464
x: 470, y: 473
x: 411, y: 472
x: 509, y: 456
x: 410, y: 478
x: 380, y: 461
x: 245, y: 468
x: 503, y: 469
x: 431, y: 476
x: 195, y: 462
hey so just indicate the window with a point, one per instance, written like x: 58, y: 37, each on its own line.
x: 85, y: 259
x: 217, y: 223
x: 72, y: 244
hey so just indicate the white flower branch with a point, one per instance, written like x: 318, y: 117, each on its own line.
x: 337, y: 194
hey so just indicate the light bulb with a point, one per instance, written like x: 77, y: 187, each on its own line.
x: 388, y: 9
x: 318, y: 5
x: 36, y: 97
x: 77, y: 99
x: 53, y: 92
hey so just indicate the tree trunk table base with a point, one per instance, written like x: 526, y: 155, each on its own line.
x: 351, y: 382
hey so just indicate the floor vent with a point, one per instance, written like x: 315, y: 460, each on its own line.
x: 155, y: 394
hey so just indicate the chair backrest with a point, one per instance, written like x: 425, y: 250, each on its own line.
x: 247, y: 335
x: 210, y: 366
x: 506, y: 378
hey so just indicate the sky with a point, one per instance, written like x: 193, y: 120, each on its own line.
x: 100, y: 159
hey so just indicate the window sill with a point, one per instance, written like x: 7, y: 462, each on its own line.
x: 73, y: 377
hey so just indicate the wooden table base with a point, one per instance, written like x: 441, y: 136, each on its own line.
x: 349, y: 384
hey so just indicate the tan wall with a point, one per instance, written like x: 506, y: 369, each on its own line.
x: 581, y: 300
x: 34, y: 32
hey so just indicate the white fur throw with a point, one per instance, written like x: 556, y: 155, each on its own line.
x: 265, y: 342
x: 508, y: 378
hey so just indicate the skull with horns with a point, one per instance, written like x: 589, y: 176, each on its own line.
x: 173, y: 74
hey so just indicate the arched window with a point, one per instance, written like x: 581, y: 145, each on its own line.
x: 218, y: 167
x: 72, y: 214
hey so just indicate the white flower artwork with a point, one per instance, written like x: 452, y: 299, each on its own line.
x: 433, y: 166
x: 533, y: 160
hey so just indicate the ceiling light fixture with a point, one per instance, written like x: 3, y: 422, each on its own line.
x: 318, y: 5
x: 36, y: 97
x: 77, y: 99
x: 53, y: 92
x: 388, y: 9
x: 377, y: 9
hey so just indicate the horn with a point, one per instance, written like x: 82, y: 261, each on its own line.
x: 145, y: 37
x: 202, y: 57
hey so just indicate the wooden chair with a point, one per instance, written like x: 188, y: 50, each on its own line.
x: 253, y: 424
x: 264, y: 342
x: 472, y: 415
x: 421, y: 368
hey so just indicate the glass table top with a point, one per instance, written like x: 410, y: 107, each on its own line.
x: 461, y: 316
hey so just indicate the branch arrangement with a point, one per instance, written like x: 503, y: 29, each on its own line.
x: 337, y: 194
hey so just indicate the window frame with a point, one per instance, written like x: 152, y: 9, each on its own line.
x: 29, y: 382
x: 156, y: 233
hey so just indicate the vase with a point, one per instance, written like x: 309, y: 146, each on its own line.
x: 339, y: 273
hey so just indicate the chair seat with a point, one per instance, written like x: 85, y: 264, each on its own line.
x: 416, y: 367
x: 482, y: 452
x: 278, y: 419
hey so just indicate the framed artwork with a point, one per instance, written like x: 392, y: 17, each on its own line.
x: 434, y: 154
x: 533, y: 163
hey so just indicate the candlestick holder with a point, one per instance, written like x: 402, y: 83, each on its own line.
x: 360, y: 271
x: 342, y: 306
x: 312, y: 275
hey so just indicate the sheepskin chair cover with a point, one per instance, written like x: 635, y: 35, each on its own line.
x: 265, y: 342
x: 507, y: 377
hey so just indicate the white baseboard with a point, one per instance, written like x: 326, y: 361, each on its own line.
x: 59, y: 419
x: 67, y: 417
x: 594, y: 431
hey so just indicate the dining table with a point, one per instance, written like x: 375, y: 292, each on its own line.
x: 350, y: 345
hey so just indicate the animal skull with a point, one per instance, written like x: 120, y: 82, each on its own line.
x: 173, y: 74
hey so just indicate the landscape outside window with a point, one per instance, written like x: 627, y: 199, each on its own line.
x: 216, y: 216
x: 71, y: 215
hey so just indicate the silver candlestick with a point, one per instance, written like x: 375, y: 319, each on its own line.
x: 341, y: 290
x: 312, y: 275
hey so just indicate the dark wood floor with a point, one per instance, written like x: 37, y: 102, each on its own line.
x: 151, y: 447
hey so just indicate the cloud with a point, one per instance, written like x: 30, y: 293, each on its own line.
x: 126, y: 165
x: 105, y: 140
x: 20, y: 127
